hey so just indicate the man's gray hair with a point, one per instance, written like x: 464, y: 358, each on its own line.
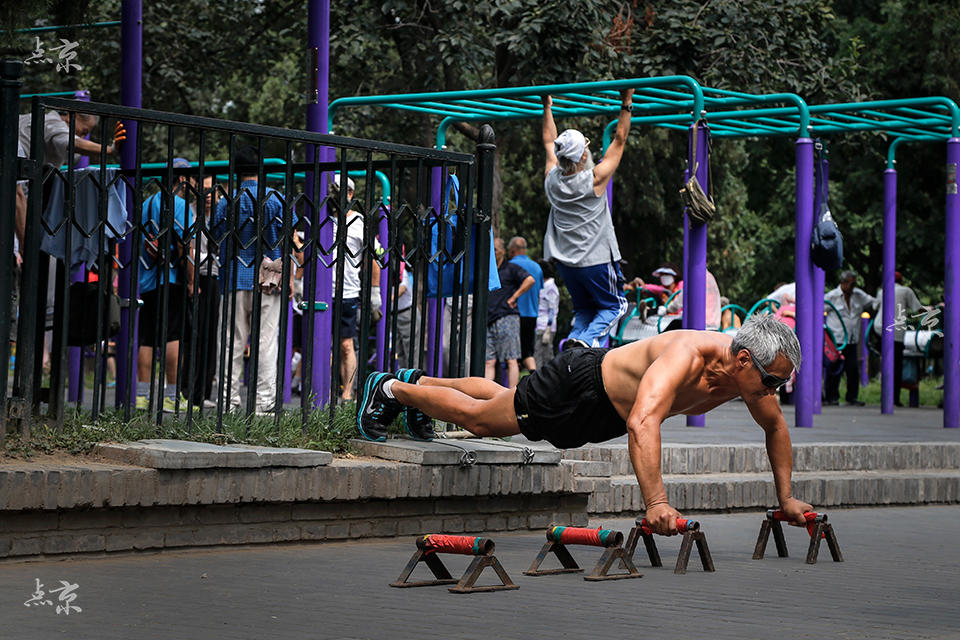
x: 765, y: 337
x: 846, y: 275
x: 568, y: 166
x: 516, y: 243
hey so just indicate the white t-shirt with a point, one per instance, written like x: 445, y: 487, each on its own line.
x: 354, y: 256
x: 906, y: 301
x: 785, y: 294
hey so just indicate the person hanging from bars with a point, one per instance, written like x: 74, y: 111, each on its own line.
x: 580, y: 236
x: 594, y: 395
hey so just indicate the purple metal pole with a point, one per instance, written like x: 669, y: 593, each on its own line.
x: 433, y: 323
x: 75, y: 354
x: 695, y: 277
x: 131, y: 56
x: 887, y: 391
x: 383, y: 230
x: 864, y: 352
x: 318, y: 37
x: 951, y: 294
x: 804, y: 390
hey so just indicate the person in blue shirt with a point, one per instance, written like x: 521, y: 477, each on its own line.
x: 235, y: 228
x: 529, y: 303
x: 166, y: 268
x: 503, y: 317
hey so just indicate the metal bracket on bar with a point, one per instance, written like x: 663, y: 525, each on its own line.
x: 317, y: 306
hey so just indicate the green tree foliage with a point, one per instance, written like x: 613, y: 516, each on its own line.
x: 245, y: 60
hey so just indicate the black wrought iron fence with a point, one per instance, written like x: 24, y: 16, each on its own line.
x: 208, y: 273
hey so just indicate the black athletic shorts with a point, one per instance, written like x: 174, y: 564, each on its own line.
x: 528, y: 337
x: 564, y: 402
x: 150, y: 316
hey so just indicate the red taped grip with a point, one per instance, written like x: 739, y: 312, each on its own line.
x: 462, y: 545
x: 810, y: 516
x: 682, y: 526
x: 593, y: 537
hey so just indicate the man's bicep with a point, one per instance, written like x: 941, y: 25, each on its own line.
x: 658, y: 388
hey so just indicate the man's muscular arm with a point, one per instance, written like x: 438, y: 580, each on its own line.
x: 655, y: 396
x: 766, y: 411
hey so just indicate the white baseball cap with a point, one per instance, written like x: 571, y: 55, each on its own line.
x: 570, y: 144
x: 336, y: 182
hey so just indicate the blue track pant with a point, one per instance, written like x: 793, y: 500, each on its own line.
x: 598, y: 300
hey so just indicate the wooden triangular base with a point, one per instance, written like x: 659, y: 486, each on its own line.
x: 442, y: 575
x: 821, y: 530
x: 600, y: 572
x: 686, y: 546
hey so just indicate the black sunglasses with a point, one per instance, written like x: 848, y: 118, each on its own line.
x: 768, y: 379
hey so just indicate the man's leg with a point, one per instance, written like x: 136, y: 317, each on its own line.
x: 241, y: 331
x: 528, y: 337
x: 513, y: 373
x: 271, y: 306
x: 172, y: 354
x: 897, y: 371
x: 606, y: 291
x: 477, y: 388
x: 583, y: 309
x: 852, y: 366
x: 348, y: 367
x: 494, y: 417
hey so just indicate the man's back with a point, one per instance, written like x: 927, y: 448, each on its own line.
x: 691, y: 351
x: 529, y: 303
x: 579, y: 229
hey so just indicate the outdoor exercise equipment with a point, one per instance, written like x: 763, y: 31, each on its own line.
x: 690, y: 530
x: 681, y: 103
x: 817, y: 527
x: 430, y: 545
x: 558, y: 537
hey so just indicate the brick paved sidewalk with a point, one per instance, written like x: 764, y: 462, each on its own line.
x: 899, y: 580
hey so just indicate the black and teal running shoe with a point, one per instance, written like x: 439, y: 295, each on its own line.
x: 377, y: 410
x: 418, y: 424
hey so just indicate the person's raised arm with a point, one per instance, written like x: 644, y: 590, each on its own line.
x: 766, y: 412
x: 611, y: 157
x: 655, y: 395
x: 549, y: 134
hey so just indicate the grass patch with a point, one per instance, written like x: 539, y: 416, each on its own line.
x: 79, y: 433
x: 930, y: 396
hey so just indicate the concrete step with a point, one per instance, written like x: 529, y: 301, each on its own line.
x: 722, y: 491
x: 752, y: 458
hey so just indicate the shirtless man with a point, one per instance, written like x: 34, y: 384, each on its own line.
x: 593, y: 395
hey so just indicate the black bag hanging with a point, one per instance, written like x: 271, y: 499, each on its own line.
x: 826, y: 245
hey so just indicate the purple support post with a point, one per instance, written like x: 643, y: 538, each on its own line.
x: 887, y: 392
x: 318, y: 37
x: 695, y: 272
x: 131, y: 56
x: 435, y: 324
x: 864, y: 352
x: 383, y: 230
x: 804, y: 390
x: 75, y: 354
x: 951, y: 295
